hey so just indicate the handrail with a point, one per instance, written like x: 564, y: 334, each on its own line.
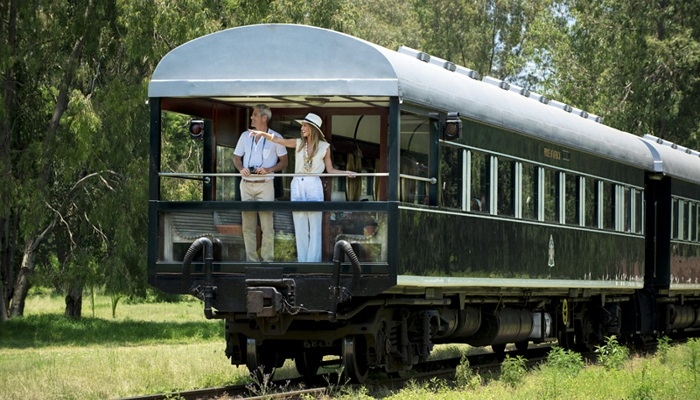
x: 419, y: 178
x: 187, y: 175
x: 204, y: 176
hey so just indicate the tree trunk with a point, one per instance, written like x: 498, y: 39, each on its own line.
x: 74, y: 301
x: 8, y: 11
x: 21, y: 288
x: 3, y: 307
x: 5, y: 267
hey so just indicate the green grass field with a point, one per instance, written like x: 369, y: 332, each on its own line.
x: 147, y: 348
x: 164, y: 347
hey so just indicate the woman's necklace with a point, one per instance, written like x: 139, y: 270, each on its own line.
x: 307, y: 160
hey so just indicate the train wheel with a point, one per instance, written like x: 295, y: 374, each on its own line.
x: 566, y: 339
x: 308, y: 363
x: 354, y: 360
x: 522, y: 346
x: 260, y: 363
x: 499, y: 349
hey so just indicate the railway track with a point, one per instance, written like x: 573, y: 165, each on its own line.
x: 302, y: 388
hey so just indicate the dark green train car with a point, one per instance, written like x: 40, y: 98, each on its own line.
x: 481, y: 213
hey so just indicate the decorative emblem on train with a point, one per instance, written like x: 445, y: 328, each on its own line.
x: 550, y: 261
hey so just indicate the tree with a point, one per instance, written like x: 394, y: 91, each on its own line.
x: 635, y: 63
x: 489, y: 36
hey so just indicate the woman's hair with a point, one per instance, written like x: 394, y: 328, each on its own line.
x: 315, y: 135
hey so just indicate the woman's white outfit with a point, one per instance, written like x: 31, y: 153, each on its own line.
x: 307, y: 225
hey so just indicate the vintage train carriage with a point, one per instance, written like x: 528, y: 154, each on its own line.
x: 676, y: 199
x: 494, y: 216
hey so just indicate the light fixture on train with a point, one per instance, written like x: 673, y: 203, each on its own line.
x: 196, y: 129
x: 452, y: 127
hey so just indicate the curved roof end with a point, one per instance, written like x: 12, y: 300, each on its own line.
x: 274, y: 59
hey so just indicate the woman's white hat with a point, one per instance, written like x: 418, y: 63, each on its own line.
x: 312, y: 119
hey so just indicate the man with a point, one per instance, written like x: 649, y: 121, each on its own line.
x: 255, y: 158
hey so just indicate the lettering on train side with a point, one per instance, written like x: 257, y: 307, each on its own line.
x: 551, y: 153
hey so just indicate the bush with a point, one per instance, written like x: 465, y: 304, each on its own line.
x: 662, y: 349
x: 465, y: 377
x: 612, y: 355
x: 564, y: 361
x: 513, y: 370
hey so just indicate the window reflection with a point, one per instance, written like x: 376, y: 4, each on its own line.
x: 551, y: 196
x: 415, y: 144
x: 506, y: 187
x: 572, y: 194
x: 480, y: 182
x: 530, y: 173
x: 366, y: 231
x: 590, y: 191
x: 608, y: 202
x: 225, y: 185
x: 692, y: 226
x: 626, y: 209
x: 451, y: 161
x: 638, y: 211
x: 674, y: 219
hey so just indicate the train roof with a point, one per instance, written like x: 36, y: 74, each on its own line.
x: 675, y: 160
x: 291, y: 65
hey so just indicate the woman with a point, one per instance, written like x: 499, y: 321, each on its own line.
x: 312, y: 157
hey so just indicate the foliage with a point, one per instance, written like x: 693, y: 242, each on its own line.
x: 513, y: 370
x: 74, y: 116
x: 155, y: 348
x: 645, y: 386
x: 663, y: 347
x: 692, y: 361
x: 489, y: 36
x: 262, y: 384
x: 464, y: 376
x: 562, y: 365
x: 612, y: 355
x: 636, y: 64
x: 564, y: 361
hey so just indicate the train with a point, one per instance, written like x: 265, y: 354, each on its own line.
x: 480, y: 212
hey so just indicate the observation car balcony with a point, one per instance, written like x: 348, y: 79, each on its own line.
x: 364, y: 224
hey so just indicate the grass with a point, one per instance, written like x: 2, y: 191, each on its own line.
x: 147, y: 348
x: 669, y: 374
x: 165, y: 347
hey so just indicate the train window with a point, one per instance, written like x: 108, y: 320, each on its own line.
x: 690, y: 235
x: 551, y: 196
x: 693, y: 223
x: 571, y: 196
x: 590, y: 197
x: 696, y: 224
x: 608, y: 202
x: 415, y: 144
x: 225, y: 185
x: 626, y: 211
x: 686, y: 220
x: 480, y: 182
x: 637, y: 206
x: 452, y: 163
x: 355, y: 140
x: 674, y: 219
x: 506, y: 187
x: 683, y: 220
x: 529, y: 191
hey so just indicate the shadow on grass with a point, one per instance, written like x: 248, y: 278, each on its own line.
x: 57, y: 330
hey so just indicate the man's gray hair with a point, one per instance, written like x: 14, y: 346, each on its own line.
x: 263, y: 109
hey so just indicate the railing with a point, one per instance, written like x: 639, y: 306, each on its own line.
x: 206, y: 177
x: 431, y: 180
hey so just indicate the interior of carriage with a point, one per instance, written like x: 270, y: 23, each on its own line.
x: 358, y: 138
